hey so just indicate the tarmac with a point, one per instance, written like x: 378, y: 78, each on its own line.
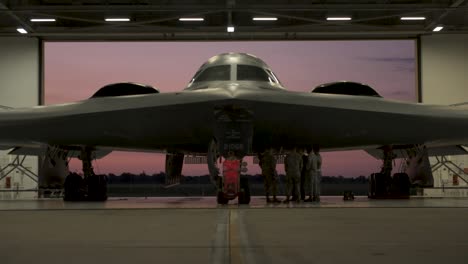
x: 196, y: 230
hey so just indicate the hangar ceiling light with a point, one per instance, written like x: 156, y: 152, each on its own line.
x: 265, y: 18
x: 42, y: 20
x: 230, y: 29
x: 412, y: 18
x: 117, y: 19
x: 438, y: 28
x: 338, y: 18
x: 191, y: 19
x: 159, y: 21
x: 22, y: 30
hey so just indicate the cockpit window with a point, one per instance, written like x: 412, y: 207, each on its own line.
x: 215, y: 73
x: 273, y: 76
x: 253, y: 73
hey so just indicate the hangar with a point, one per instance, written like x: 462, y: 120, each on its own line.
x: 439, y: 29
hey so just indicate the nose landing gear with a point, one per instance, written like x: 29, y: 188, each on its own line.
x: 233, y: 132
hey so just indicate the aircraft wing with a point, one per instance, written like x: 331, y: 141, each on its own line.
x: 434, y: 151
x: 354, y: 122
x: 185, y: 121
x: 152, y: 122
x: 41, y: 150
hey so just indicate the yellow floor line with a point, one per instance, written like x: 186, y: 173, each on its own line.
x: 234, y: 239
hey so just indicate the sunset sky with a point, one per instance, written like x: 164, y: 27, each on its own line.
x: 74, y: 71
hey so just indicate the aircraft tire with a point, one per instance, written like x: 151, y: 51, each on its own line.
x: 221, y: 199
x: 73, y: 188
x: 402, y: 183
x: 244, y: 194
x: 97, y: 188
x: 380, y: 185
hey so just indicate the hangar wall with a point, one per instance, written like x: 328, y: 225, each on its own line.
x: 444, y: 69
x: 19, y: 71
x: 19, y: 87
x: 444, y: 80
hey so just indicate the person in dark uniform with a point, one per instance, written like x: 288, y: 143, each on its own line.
x: 293, y: 168
x: 267, y: 162
x: 315, y: 172
x: 387, y: 167
x: 304, y: 175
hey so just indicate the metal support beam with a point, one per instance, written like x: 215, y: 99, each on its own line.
x: 11, y: 14
x: 454, y: 6
x: 444, y: 162
x: 17, y: 164
x: 223, y: 7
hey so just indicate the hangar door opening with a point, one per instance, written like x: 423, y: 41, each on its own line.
x: 76, y: 70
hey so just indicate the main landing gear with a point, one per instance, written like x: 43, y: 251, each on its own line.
x: 383, y: 186
x: 90, y: 187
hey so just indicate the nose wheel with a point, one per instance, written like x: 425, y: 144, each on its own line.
x: 221, y: 199
x: 244, y: 193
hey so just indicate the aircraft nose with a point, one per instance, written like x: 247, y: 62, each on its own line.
x: 232, y: 89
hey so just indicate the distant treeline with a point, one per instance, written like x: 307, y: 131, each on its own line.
x: 144, y: 185
x: 159, y: 178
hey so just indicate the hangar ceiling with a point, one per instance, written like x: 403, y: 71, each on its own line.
x: 295, y: 19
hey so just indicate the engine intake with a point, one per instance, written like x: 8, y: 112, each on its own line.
x: 346, y: 88
x: 122, y: 89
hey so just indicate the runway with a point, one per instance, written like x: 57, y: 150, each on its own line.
x: 196, y: 230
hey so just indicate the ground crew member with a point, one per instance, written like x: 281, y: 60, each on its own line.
x: 387, y: 161
x: 387, y: 167
x: 293, y: 167
x: 308, y: 178
x: 267, y: 162
x: 315, y: 172
x: 305, y: 179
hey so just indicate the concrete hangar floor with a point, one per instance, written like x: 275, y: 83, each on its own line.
x: 196, y: 230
